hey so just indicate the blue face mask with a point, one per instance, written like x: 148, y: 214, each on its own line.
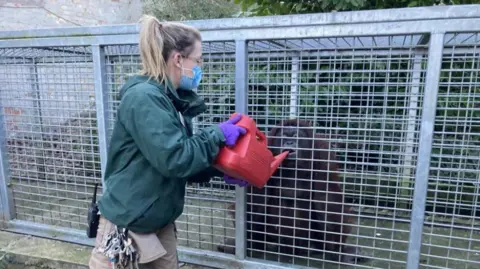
x: 190, y: 83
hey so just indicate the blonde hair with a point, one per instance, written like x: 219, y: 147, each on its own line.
x: 158, y: 40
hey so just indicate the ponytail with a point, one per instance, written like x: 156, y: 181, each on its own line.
x: 158, y: 40
x: 151, y: 49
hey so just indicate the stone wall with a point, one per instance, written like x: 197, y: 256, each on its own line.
x: 28, y: 14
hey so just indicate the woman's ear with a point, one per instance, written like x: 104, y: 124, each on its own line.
x: 177, y: 59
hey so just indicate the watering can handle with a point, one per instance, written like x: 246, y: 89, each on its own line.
x: 263, y: 139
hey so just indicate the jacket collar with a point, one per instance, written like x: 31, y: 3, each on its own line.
x: 186, y: 102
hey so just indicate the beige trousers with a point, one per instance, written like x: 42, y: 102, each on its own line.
x: 167, y: 239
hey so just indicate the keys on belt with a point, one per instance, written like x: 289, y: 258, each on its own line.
x: 119, y: 250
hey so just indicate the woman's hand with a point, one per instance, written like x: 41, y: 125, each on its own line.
x: 231, y: 131
x: 230, y: 180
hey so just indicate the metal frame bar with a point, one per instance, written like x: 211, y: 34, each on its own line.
x: 38, y: 113
x: 241, y: 106
x: 189, y: 255
x: 287, y: 54
x: 101, y: 101
x: 48, y: 231
x: 317, y: 52
x: 294, y: 87
x: 6, y: 195
x: 37, y: 94
x: 335, y: 30
x: 319, y: 19
x: 425, y: 149
x: 412, y: 118
x: 110, y: 100
x: 265, y: 32
x: 374, y: 23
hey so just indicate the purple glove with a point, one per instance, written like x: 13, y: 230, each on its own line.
x: 230, y: 180
x: 232, y: 131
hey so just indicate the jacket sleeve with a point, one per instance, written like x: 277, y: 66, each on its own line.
x: 205, y: 176
x: 157, y: 132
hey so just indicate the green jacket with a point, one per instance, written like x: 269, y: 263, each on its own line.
x: 152, y: 156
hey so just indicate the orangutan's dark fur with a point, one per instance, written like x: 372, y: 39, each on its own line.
x: 297, y: 205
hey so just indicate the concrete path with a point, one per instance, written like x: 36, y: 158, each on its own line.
x: 28, y: 252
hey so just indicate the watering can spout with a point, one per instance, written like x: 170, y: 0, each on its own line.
x: 277, y: 161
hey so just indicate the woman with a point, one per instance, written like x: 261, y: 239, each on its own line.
x: 152, y: 153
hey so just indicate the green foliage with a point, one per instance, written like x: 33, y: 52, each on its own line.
x: 175, y: 10
x: 274, y: 7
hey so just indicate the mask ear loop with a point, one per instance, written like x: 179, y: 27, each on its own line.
x: 193, y: 73
x: 182, y: 68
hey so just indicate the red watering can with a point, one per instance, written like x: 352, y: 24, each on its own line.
x: 250, y: 159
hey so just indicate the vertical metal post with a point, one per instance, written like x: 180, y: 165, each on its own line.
x: 40, y: 134
x: 411, y: 125
x: 37, y: 94
x: 294, y: 88
x: 6, y: 195
x: 435, y: 54
x: 241, y: 106
x: 101, y: 98
x: 195, y: 119
x: 111, y: 98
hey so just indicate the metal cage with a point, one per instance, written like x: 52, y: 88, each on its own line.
x: 393, y: 92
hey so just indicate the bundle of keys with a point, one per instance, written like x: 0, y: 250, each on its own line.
x: 120, y: 250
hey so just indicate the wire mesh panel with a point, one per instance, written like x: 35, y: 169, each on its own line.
x: 207, y: 217
x: 48, y: 102
x: 451, y: 233
x: 362, y: 97
x: 355, y: 105
x: 205, y: 221
x: 121, y: 63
